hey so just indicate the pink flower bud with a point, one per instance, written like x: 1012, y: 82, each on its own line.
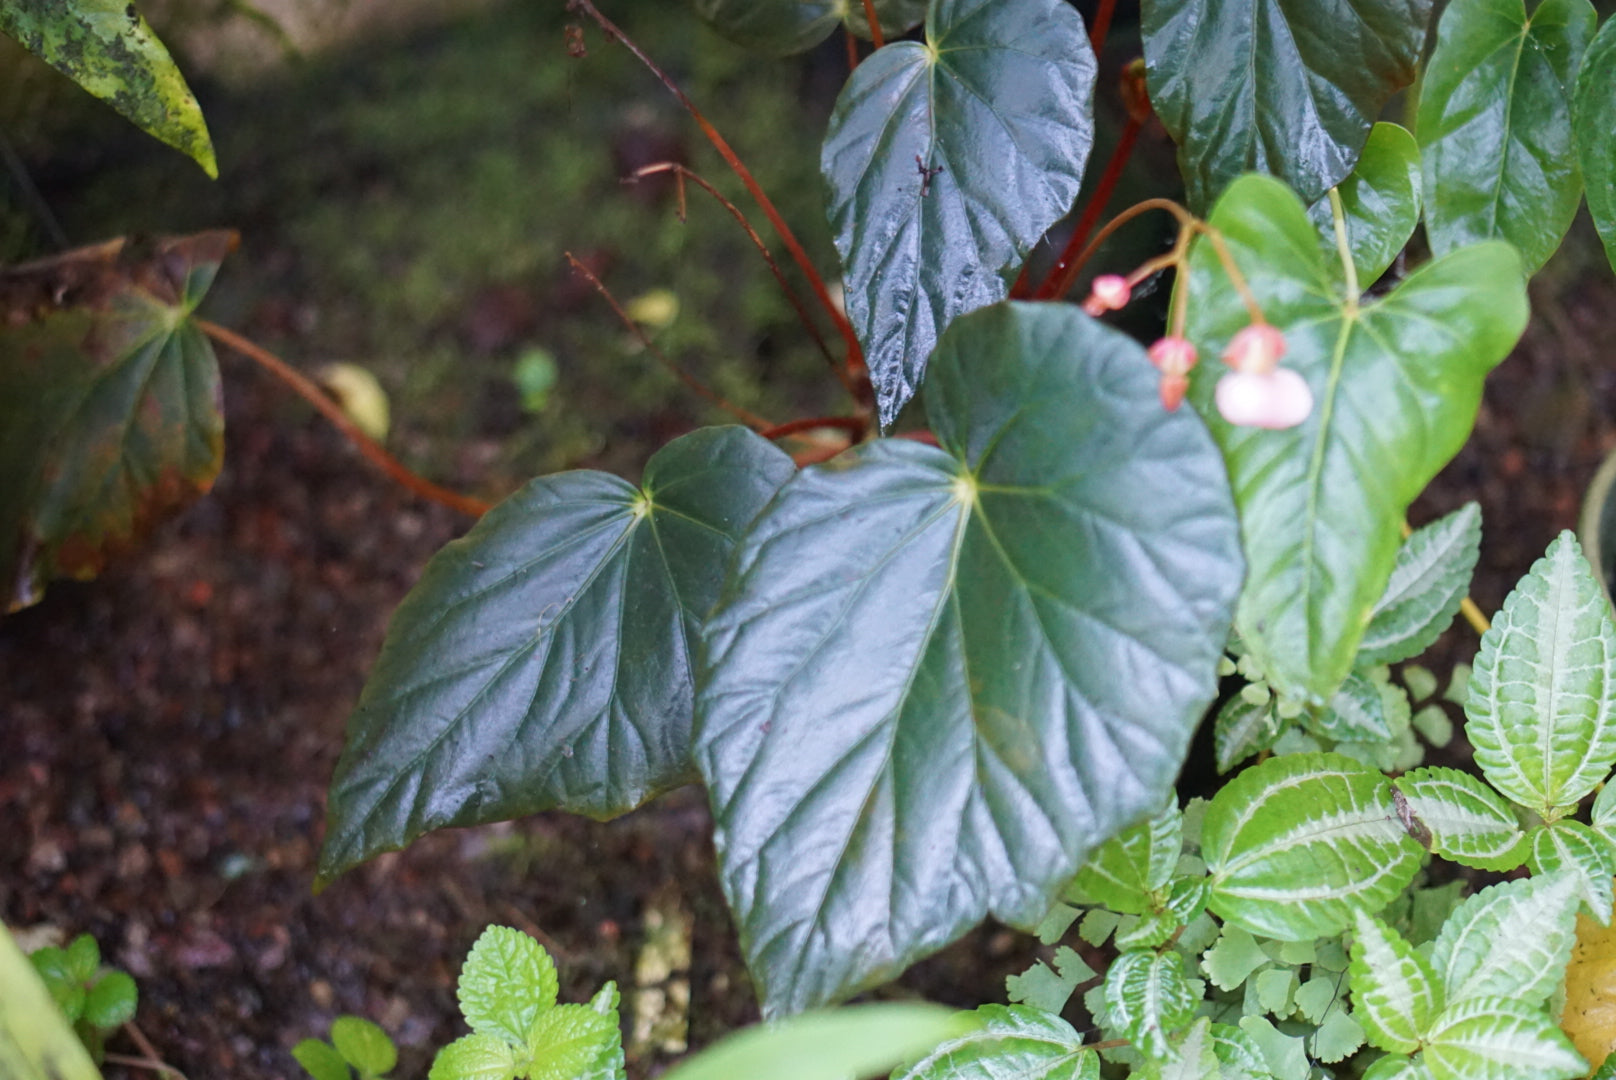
x: 1278, y: 399
x: 1108, y: 293
x: 1172, y: 388
x: 1255, y: 349
x: 1172, y: 356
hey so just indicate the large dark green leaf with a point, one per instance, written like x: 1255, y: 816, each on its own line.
x: 938, y: 678
x: 945, y: 163
x: 1288, y: 87
x: 109, y: 49
x: 1593, y: 119
x: 544, y: 661
x: 1380, y: 203
x: 109, y: 404
x: 1495, y: 125
x: 789, y: 26
x: 1396, y: 384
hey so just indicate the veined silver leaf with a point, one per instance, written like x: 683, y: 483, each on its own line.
x: 1499, y: 1038
x: 1125, y: 870
x: 1013, y: 1042
x: 1466, y: 819
x: 1511, y: 940
x: 1243, y: 730
x: 1428, y: 582
x: 1395, y: 992
x: 1586, y: 855
x: 1148, y: 997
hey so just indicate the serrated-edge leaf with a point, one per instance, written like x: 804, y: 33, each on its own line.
x: 1603, y: 815
x: 1428, y: 582
x: 1395, y: 992
x: 475, y: 1057
x: 1542, y: 702
x: 1013, y: 1042
x: 566, y: 1042
x: 507, y: 981
x: 1148, y: 997
x: 1467, y: 821
x: 1508, y: 940
x: 1499, y: 1038
x: 1593, y: 120
x: 1587, y: 855
x: 1285, y: 1055
x: 1127, y: 869
x: 1356, y: 712
x: 364, y: 1045
x: 111, y: 1002
x: 1232, y: 958
x: 1296, y: 844
x: 1049, y: 988
x: 1339, y: 1036
x: 1242, y: 730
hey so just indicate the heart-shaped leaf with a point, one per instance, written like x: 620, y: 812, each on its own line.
x: 1380, y: 202
x: 110, y: 412
x: 1593, y: 121
x: 1495, y: 125
x: 938, y: 678
x: 1396, y: 384
x: 544, y: 661
x: 110, y: 50
x: 790, y: 26
x: 946, y: 162
x: 1288, y: 87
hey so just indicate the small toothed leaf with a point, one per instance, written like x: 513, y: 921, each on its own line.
x: 1428, y: 582
x: 1124, y: 871
x: 1590, y: 858
x: 1499, y: 1038
x: 475, y: 1057
x: 1232, y: 959
x: 1508, y: 940
x: 1356, y: 712
x: 506, y: 982
x: 1012, y: 1042
x: 565, y: 1042
x: 1338, y: 1037
x: 1395, y: 992
x: 1148, y: 997
x: 1049, y: 988
x: 1466, y: 819
x: 1242, y: 730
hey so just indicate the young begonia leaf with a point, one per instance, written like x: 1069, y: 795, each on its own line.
x: 507, y: 981
x: 1356, y: 712
x: 939, y: 678
x: 1510, y: 940
x: 109, y: 49
x: 476, y: 1057
x: 1295, y: 845
x: 565, y: 1042
x: 1242, y: 730
x: 1148, y: 996
x: 363, y: 1045
x: 545, y: 660
x: 1381, y: 202
x: 1396, y: 383
x: 1593, y: 120
x: 1275, y: 86
x: 1499, y: 1038
x: 1428, y: 582
x: 111, y: 1001
x: 1124, y: 871
x: 1542, y: 704
x: 790, y: 26
x: 1465, y: 819
x: 1395, y: 992
x: 1012, y: 1042
x: 1495, y: 125
x: 1573, y: 848
x: 858, y: 1041
x: 36, y: 1043
x: 109, y: 403
x: 321, y: 1060
x: 945, y: 162
x: 1233, y: 958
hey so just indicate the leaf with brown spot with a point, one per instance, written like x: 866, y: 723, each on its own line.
x: 110, y: 411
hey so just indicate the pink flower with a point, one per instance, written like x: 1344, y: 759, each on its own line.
x: 1108, y: 293
x: 1173, y: 357
x: 1275, y: 399
x: 1255, y: 349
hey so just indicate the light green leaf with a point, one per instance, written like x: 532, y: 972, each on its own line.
x: 564, y: 1043
x: 1049, y: 988
x: 363, y: 1045
x: 1433, y: 723
x: 1380, y: 200
x: 476, y: 1057
x: 1396, y: 383
x: 1295, y: 845
x: 111, y: 1001
x: 999, y: 99
x: 1573, y: 848
x: 1508, y: 940
x: 1542, y: 704
x: 1499, y: 1038
x: 62, y: 979
x: 1097, y: 926
x: 1395, y: 991
x: 1012, y: 1043
x: 110, y: 50
x: 321, y: 1060
x: 857, y: 1041
x: 1285, y: 1055
x: 506, y: 982
x: 909, y: 716
x: 608, y: 1063
x: 1495, y: 125
x: 1356, y: 713
x: 1593, y: 119
x: 1397, y: 1067
x: 1317, y: 996
x: 1238, y: 1053
x: 1127, y: 869
x: 1338, y: 1037
x: 1194, y: 1058
x: 1148, y: 997
x: 1465, y: 819
x: 1056, y: 922
x: 1603, y: 815
x: 1243, y: 730
x: 1428, y: 582
x: 1276, y: 989
x: 1232, y: 959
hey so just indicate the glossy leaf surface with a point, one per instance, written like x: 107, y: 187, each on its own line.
x: 506, y: 982
x: 1380, y: 201
x: 1396, y: 383
x: 938, y: 678
x: 1395, y: 994
x: 1012, y: 1042
x: 1509, y: 940
x: 1428, y: 582
x: 790, y: 26
x: 1288, y: 87
x: 945, y: 163
x: 1593, y: 120
x: 1495, y: 133
x: 1243, y: 729
x: 1295, y: 845
x: 544, y: 660
x: 1465, y: 819
x: 363, y: 1045
x: 109, y: 49
x: 110, y: 412
x: 1542, y: 705
x: 858, y: 1041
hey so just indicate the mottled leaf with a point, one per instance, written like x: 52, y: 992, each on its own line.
x: 1428, y: 582
x: 1243, y: 729
x: 1499, y: 1038
x: 1573, y: 848
x: 1127, y: 869
x: 1012, y: 1043
x: 36, y: 1043
x: 1356, y: 712
x: 1508, y: 940
x: 1395, y: 993
x: 1148, y: 996
x: 1463, y: 819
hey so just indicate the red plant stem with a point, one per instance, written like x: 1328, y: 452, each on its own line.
x: 855, y: 355
x: 852, y: 50
x: 1061, y: 276
x: 1101, y: 24
x: 322, y: 402
x: 875, y: 24
x: 681, y: 174
x: 853, y: 425
x: 816, y: 455
x: 921, y: 436
x: 750, y: 419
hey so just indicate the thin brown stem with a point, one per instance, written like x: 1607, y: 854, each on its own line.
x: 149, y: 1064
x: 875, y: 24
x: 1236, y: 278
x: 816, y: 455
x: 855, y: 355
x: 1061, y: 276
x: 1186, y: 220
x: 852, y: 50
x: 1101, y: 25
x: 855, y: 426
x: 370, y: 448
x: 152, y: 1059
x: 750, y: 419
x: 681, y: 173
